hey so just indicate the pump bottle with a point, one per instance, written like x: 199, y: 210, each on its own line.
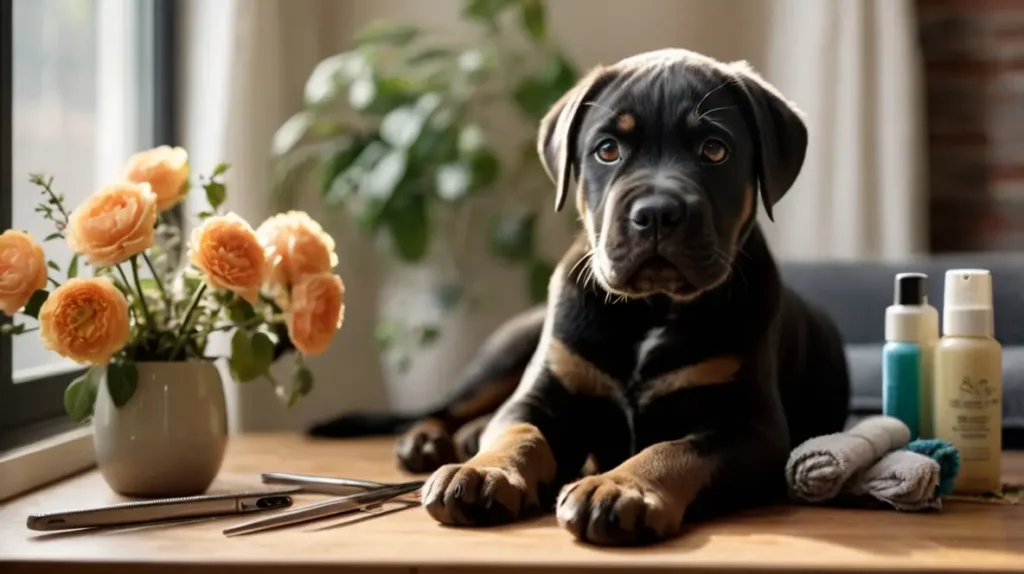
x: 969, y: 381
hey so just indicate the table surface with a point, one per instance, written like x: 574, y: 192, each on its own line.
x: 963, y: 537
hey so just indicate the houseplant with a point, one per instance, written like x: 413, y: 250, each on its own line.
x: 139, y: 313
x: 412, y: 135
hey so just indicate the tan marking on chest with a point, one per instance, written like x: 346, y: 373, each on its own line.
x: 579, y: 375
x: 714, y: 371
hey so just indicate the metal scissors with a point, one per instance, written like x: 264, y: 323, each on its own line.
x: 367, y: 494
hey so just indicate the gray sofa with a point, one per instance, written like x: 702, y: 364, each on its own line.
x: 856, y: 295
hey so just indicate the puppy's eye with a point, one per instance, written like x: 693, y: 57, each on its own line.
x: 714, y: 151
x: 607, y: 152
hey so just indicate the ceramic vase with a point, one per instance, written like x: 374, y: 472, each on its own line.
x: 169, y: 438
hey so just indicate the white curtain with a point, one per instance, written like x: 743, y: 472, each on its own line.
x: 851, y: 65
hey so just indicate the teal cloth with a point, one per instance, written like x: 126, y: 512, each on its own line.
x: 944, y: 453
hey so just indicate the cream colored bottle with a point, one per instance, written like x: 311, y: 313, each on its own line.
x: 968, y: 380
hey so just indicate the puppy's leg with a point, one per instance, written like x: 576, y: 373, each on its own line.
x: 645, y: 499
x: 526, y: 452
x: 486, y: 383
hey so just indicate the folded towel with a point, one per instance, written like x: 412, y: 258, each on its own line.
x: 818, y: 468
x: 903, y: 479
x: 944, y: 453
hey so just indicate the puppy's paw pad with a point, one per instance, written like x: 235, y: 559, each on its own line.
x: 614, y: 511
x: 425, y: 447
x: 464, y: 495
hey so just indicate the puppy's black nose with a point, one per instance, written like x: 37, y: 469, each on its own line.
x: 658, y: 212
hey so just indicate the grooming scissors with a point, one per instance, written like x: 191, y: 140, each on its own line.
x: 368, y: 494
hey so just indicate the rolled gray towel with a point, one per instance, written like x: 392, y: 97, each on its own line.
x: 904, y: 479
x: 819, y: 467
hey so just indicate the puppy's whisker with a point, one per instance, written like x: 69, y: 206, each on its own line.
x: 599, y: 106
x: 728, y: 81
x: 713, y: 110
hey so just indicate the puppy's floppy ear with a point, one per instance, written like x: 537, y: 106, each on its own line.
x: 559, y: 128
x: 780, y: 131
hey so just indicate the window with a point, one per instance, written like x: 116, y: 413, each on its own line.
x: 83, y: 84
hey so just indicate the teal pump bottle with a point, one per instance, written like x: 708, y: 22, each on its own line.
x: 911, y: 331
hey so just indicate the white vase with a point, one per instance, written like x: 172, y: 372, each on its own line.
x: 169, y: 438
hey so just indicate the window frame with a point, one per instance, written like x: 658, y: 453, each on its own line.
x: 34, y: 410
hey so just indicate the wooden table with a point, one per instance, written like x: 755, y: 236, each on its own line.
x: 964, y: 537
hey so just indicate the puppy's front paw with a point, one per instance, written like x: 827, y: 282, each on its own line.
x: 616, y: 510
x: 425, y: 447
x: 465, y: 495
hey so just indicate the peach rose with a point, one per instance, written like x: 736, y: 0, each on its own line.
x: 316, y: 313
x: 85, y: 320
x: 226, y: 249
x: 295, y: 246
x: 113, y: 224
x: 165, y: 169
x: 22, y: 270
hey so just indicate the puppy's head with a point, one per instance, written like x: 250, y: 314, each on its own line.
x: 670, y: 151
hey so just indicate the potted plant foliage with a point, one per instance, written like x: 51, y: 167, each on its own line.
x: 395, y: 132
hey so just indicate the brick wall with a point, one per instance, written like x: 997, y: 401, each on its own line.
x: 974, y: 74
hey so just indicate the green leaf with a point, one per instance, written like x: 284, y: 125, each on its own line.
x: 205, y: 215
x: 240, y: 362
x: 262, y: 352
x: 430, y: 55
x: 429, y: 334
x: 401, y: 127
x: 302, y: 382
x: 386, y: 334
x: 73, y: 267
x: 216, y: 193
x: 512, y: 236
x: 484, y: 10
x: 220, y: 169
x: 290, y: 133
x: 122, y: 379
x: 383, y: 32
x: 251, y: 355
x: 485, y: 166
x: 80, y: 397
x: 53, y: 236
x: 325, y: 81
x: 409, y: 228
x: 240, y: 311
x: 35, y: 302
x: 53, y: 265
x: 534, y: 18
x: 453, y: 180
x: 539, y: 276
x: 381, y: 181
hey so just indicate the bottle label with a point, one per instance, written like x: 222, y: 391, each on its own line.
x: 972, y: 402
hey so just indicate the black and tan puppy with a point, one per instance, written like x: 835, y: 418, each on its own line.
x: 669, y: 353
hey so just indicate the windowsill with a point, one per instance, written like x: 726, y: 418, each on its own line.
x: 45, y: 461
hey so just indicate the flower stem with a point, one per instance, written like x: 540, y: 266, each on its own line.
x: 56, y: 200
x: 142, y: 296
x: 182, y: 331
x: 159, y: 282
x: 128, y: 286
